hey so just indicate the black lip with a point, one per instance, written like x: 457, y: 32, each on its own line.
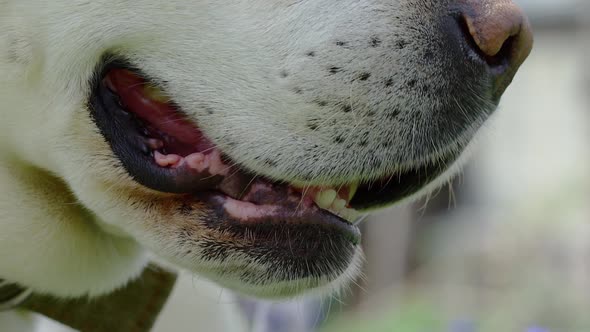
x: 295, y: 252
x: 122, y: 130
x: 399, y: 186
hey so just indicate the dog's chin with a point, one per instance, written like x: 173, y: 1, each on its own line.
x: 283, y: 276
x: 248, y: 232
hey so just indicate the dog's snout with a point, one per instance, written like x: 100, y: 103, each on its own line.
x: 500, y: 33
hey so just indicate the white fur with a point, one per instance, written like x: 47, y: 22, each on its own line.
x: 252, y: 73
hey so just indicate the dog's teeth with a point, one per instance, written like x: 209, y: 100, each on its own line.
x: 324, y: 199
x: 211, y: 163
x: 197, y: 161
x: 338, y: 205
x: 166, y: 160
x: 352, y: 190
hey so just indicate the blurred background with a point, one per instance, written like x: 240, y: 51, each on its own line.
x: 505, y: 248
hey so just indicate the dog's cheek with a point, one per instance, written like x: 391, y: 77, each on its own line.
x: 88, y: 162
x: 18, y: 51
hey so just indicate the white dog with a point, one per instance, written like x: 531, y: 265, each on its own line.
x: 234, y: 138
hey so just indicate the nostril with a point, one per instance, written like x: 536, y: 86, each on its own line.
x: 504, y: 55
x: 498, y: 61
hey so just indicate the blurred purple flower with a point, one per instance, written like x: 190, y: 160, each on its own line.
x: 463, y: 326
x: 537, y: 329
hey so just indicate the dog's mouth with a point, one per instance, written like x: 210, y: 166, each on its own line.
x: 162, y: 149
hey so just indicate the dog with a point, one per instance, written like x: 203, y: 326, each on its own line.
x: 237, y: 139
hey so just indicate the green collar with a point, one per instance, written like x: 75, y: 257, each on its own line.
x: 133, y: 308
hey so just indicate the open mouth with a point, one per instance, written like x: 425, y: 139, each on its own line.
x: 161, y: 148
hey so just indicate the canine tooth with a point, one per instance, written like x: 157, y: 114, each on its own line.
x: 325, y: 198
x: 352, y: 190
x: 156, y: 94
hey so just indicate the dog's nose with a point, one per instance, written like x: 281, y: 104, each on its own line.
x: 500, y: 33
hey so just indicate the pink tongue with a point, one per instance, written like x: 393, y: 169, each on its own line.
x: 161, y: 116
